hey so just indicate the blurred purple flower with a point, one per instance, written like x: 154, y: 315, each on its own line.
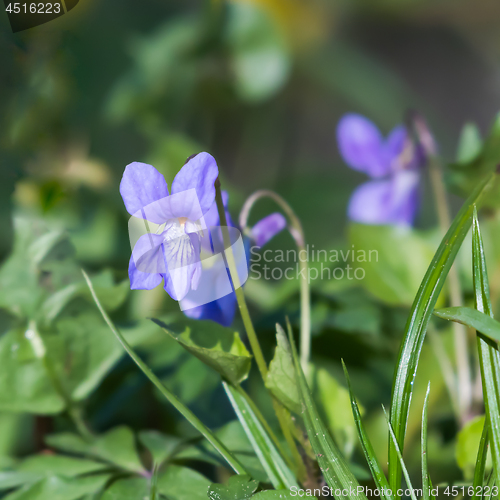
x: 392, y: 196
x: 174, y: 254
x: 267, y: 228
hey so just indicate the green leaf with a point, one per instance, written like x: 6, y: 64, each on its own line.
x: 400, y: 457
x: 489, y: 358
x: 181, y: 483
x: 416, y: 326
x: 58, y: 465
x: 468, y: 443
x: 37, y: 467
x: 335, y: 403
x: 59, y: 488
x: 69, y: 442
x: 480, y: 467
x: 128, y: 489
x: 218, y: 347
x: 261, y: 62
x: 19, y: 290
x: 110, y: 295
x: 392, y: 277
x: 281, y: 376
x: 36, y: 248
x: 234, y: 437
x: 24, y: 383
x: 86, y: 353
x: 464, y: 175
x: 159, y: 445
x: 332, y: 464
x: 469, y: 144
x: 273, y: 463
x: 371, y: 457
x: 473, y: 319
x: 116, y: 446
x: 13, y: 479
x: 72, y: 361
x: 426, y: 480
x: 237, y: 488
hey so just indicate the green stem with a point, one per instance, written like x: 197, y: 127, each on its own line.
x: 76, y: 414
x: 240, y: 297
x: 171, y: 398
x: 297, y: 233
x: 285, y: 423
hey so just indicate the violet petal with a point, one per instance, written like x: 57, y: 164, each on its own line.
x: 391, y: 201
x: 221, y: 311
x: 200, y: 173
x: 140, y: 186
x: 140, y: 280
x: 362, y: 146
x: 267, y: 228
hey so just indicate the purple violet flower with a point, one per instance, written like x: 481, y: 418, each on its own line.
x: 392, y: 196
x: 173, y: 253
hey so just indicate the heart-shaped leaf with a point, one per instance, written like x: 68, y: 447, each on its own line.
x: 218, y: 347
x: 117, y: 447
x: 59, y: 488
x: 281, y: 379
x: 181, y: 483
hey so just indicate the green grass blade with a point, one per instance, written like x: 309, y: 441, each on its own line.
x: 332, y: 464
x: 416, y: 326
x: 473, y: 319
x: 491, y: 483
x: 426, y: 480
x: 479, y: 471
x: 273, y: 463
x: 371, y: 457
x: 171, y: 398
x: 489, y: 358
x: 400, y: 457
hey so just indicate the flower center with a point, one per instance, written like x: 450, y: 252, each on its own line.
x: 182, y: 221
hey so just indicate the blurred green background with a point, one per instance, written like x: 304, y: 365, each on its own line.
x: 260, y: 85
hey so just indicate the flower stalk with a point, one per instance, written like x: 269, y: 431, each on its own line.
x: 285, y: 422
x: 242, y: 305
x: 297, y: 233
